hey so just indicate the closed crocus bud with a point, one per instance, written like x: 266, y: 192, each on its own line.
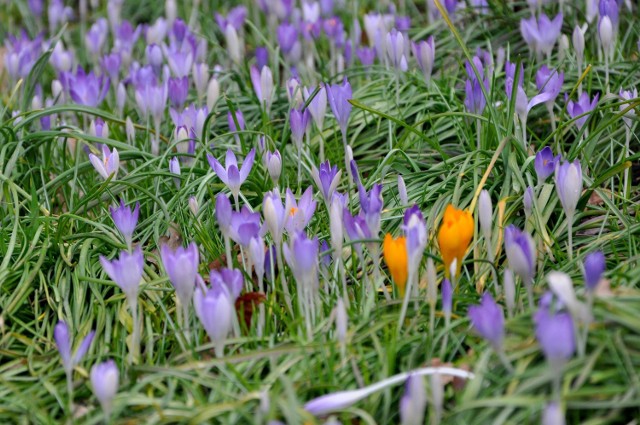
x: 181, y: 266
x: 568, y: 179
x: 556, y: 334
x: 121, y: 97
x: 578, y: 43
x: 223, y: 213
x: 521, y: 253
x: 201, y: 78
x: 488, y: 320
x: 424, y: 52
x: 605, y: 31
x: 170, y: 11
x: 528, y: 201
x: 125, y: 220
x: 234, y: 47
x: 594, y: 266
x: 395, y: 257
x: 174, y: 168
x: 273, y: 163
x: 485, y: 213
x: 336, y: 227
x: 104, y: 382
x: 413, y: 401
x: 447, y: 297
x: 563, y: 47
x: 130, y: 130
x: 402, y: 191
x: 214, y: 308
x: 257, y: 254
x: 552, y: 414
x: 193, y: 205
x: 509, y: 290
x: 56, y: 89
x: 454, y: 236
x: 432, y: 282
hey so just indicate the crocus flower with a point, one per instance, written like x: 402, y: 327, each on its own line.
x: 366, y: 56
x: 262, y: 81
x: 287, y: 35
x: 214, y: 308
x: 474, y: 100
x: 521, y: 253
x: 104, y: 382
x: 424, y: 52
x: 63, y: 341
x: 395, y: 50
x: 109, y: 164
x: 234, y: 46
x: 609, y: 8
x: 174, y: 168
x: 395, y: 256
x: 273, y: 164
x: 301, y: 254
x: 485, y: 214
x: 125, y: 220
x: 86, y: 89
x: 299, y: 120
x: 545, y: 163
x: 318, y: 105
x: 415, y: 230
x: 568, y: 179
x: 298, y: 214
x: 274, y: 215
x: 583, y: 106
x: 523, y: 104
x: 245, y: 225
x: 357, y: 228
x: 232, y: 118
x: 606, y: 33
x: 339, y: 96
x: 257, y: 255
x: 413, y: 401
x: 556, y: 335
x: 626, y: 96
x: 230, y: 278
x: 96, y: 37
x: 527, y: 201
x: 327, y: 179
x: 262, y: 57
x: 549, y: 81
x: 126, y: 271
x: 224, y: 213
x: 447, y: 297
x: 454, y: 236
x: 229, y: 174
x: 594, y: 265
x: 235, y: 18
x: 181, y: 266
x: 178, y: 90
x: 488, y: 320
x: 541, y: 34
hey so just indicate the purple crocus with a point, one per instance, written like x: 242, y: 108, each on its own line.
x: 626, y: 96
x: 366, y: 56
x: 415, y: 230
x: 274, y: 215
x: 224, y: 213
x: 594, y: 266
x: 287, y: 35
x: 556, y: 334
x: 235, y: 18
x: 298, y: 214
x: 541, y: 34
x: 299, y: 120
x: 230, y: 174
x: 327, y: 179
x: 318, y: 106
x: 488, y: 320
x: 413, y: 401
x: 231, y: 279
x: 105, y: 380
x: 357, y: 228
x: 424, y: 52
x: 262, y: 81
x: 245, y: 225
x: 125, y: 220
x: 85, y: 89
x: 178, y: 91
x: 63, y: 340
x: 181, y: 266
x: 474, y: 100
x: 273, y: 164
x: 96, y: 37
x: 21, y: 54
x: 339, y: 96
x: 568, y: 180
x: 174, y: 168
x: 126, y: 271
x: 238, y: 117
x: 447, y: 297
x: 583, y: 106
x: 545, y: 163
x: 108, y: 165
x: 521, y: 253
x: 301, y: 254
x: 395, y: 50
x: 262, y: 57
x: 111, y: 64
x: 523, y: 105
x: 549, y: 81
x: 371, y: 202
x: 214, y: 308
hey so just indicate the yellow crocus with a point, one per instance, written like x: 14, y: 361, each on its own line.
x: 454, y: 236
x: 395, y: 256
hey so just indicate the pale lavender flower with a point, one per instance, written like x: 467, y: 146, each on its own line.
x: 541, y: 34
x: 214, y: 308
x: 395, y: 50
x: 626, y: 96
x: 299, y: 120
x: 298, y: 214
x: 63, y: 341
x: 231, y: 279
x: 108, y: 165
x: 111, y: 64
x: 447, y: 297
x: 366, y: 56
x: 488, y: 320
x: 245, y: 225
x: 413, y: 401
x: 262, y: 81
x: 125, y: 220
x: 521, y: 253
x: 549, y: 81
x: 584, y: 105
x: 318, y: 105
x: 326, y: 178
x: 568, y: 180
x: 415, y: 229
x: 174, y: 168
x: 178, y: 90
x: 556, y: 334
x: 85, y: 89
x: 424, y: 52
x: 552, y: 414
x: 301, y: 254
x: 230, y: 174
x: 339, y: 96
x: 126, y: 271
x: 273, y: 164
x: 274, y: 215
x: 545, y: 163
x: 224, y: 213
x: 181, y: 266
x: 235, y: 18
x: 594, y: 266
x: 104, y: 382
x: 96, y: 37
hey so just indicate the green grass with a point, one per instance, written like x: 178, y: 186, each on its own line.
x: 54, y: 224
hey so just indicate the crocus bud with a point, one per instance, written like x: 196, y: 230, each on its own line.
x: 413, y: 401
x: 556, y: 334
x: 521, y: 253
x: 509, y: 290
x: 257, y: 255
x: 104, y: 381
x: 170, y: 11
x: 578, y: 43
x: 336, y: 227
x: 605, y: 31
x: 488, y: 320
x: 125, y: 220
x: 181, y: 266
x: 174, y: 168
x: 527, y: 201
x: 395, y: 257
x: 402, y: 191
x: 563, y: 47
x: 193, y: 205
x: 594, y: 266
x: 273, y: 163
x: 485, y: 213
x: 234, y: 47
x: 562, y: 287
x: 447, y: 297
x: 200, y: 78
x: 432, y: 282
x: 214, y: 308
x: 130, y: 130
x: 568, y: 179
x: 454, y: 236
x: 56, y: 88
x: 121, y: 98
x: 424, y: 52
x: 342, y: 321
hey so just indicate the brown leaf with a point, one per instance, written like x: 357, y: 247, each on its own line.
x: 246, y: 303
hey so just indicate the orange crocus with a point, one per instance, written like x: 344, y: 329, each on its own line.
x: 395, y: 256
x: 454, y: 236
